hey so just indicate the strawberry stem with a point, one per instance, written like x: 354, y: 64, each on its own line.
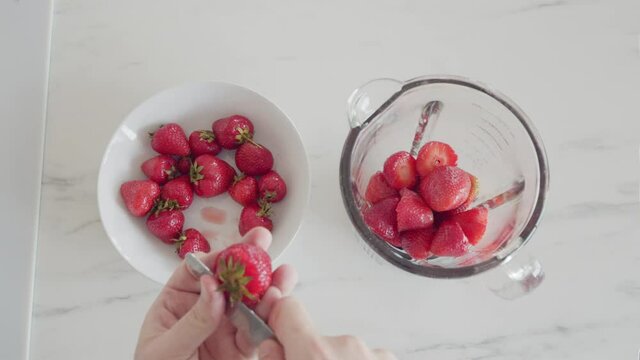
x: 265, y: 208
x: 245, y: 136
x: 207, y: 136
x: 194, y: 172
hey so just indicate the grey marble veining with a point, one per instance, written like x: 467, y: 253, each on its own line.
x: 560, y: 60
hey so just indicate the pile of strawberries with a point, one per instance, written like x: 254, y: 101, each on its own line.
x: 189, y: 165
x: 422, y: 205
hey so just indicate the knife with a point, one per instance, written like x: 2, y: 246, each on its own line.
x: 243, y: 318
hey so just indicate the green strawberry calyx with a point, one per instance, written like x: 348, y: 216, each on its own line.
x: 172, y: 173
x: 232, y: 280
x: 265, y: 208
x: 245, y: 136
x: 270, y: 195
x: 179, y: 241
x: 164, y: 205
x: 195, y: 172
x: 207, y: 135
x: 238, y: 178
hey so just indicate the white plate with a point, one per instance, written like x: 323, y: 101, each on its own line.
x: 194, y: 107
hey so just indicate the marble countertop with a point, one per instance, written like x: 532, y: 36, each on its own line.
x: 573, y: 66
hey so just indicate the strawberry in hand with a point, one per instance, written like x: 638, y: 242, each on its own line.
x: 244, y: 273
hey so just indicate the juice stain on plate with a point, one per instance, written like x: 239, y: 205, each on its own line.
x: 213, y: 215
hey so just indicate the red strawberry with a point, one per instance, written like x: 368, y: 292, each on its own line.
x: 139, y: 196
x: 473, y: 223
x: 232, y: 131
x: 379, y: 189
x: 449, y: 240
x: 412, y: 212
x: 170, y: 139
x: 445, y: 188
x: 272, y: 187
x: 473, y: 195
x: 381, y: 219
x: 253, y: 159
x: 160, y: 168
x: 255, y: 215
x: 166, y: 225
x: 400, y: 170
x: 432, y: 154
x: 191, y: 240
x: 184, y: 165
x: 203, y: 142
x: 417, y: 243
x: 243, y: 272
x: 244, y: 190
x: 211, y: 176
x: 179, y: 190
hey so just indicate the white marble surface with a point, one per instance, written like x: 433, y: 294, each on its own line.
x: 574, y: 66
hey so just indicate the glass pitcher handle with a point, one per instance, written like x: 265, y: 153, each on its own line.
x: 366, y: 99
x: 517, y: 277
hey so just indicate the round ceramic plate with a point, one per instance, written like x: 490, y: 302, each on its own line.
x: 195, y: 107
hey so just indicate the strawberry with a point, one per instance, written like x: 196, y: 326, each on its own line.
x: 400, y: 170
x: 272, y: 187
x: 417, y: 243
x: 381, y: 219
x: 232, y: 131
x: 432, y: 154
x: 244, y: 190
x: 139, y: 196
x: 449, y: 240
x: 255, y: 215
x: 203, y: 142
x: 473, y: 195
x: 412, y: 212
x: 166, y: 224
x: 170, y: 139
x: 184, y: 165
x: 253, y: 159
x: 179, y: 190
x: 379, y: 189
x: 243, y: 272
x: 160, y: 169
x: 473, y: 223
x: 445, y: 188
x: 211, y: 176
x: 191, y: 240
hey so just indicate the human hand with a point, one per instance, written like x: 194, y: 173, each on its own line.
x: 299, y: 341
x: 187, y: 321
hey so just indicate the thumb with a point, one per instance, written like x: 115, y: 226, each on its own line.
x: 185, y: 336
x: 293, y: 328
x: 270, y: 350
